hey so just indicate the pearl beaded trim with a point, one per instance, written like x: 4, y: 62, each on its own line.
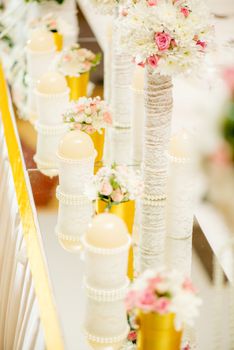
x: 50, y: 166
x: 80, y: 162
x: 106, y: 295
x: 51, y: 129
x: 71, y: 199
x: 155, y: 202
x: 51, y: 96
x: 149, y: 197
x: 68, y: 238
x: 103, y: 251
x: 109, y: 340
x: 179, y: 160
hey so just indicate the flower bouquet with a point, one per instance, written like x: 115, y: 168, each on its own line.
x: 91, y: 115
x: 75, y: 63
x: 164, y: 302
x: 116, y: 189
x: 166, y: 37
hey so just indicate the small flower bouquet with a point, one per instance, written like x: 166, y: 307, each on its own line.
x: 169, y: 36
x: 76, y: 60
x: 165, y: 301
x: 88, y: 114
x: 117, y: 184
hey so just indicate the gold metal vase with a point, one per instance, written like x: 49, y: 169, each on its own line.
x: 157, y: 332
x: 125, y: 211
x: 58, y: 41
x: 78, y: 85
x: 98, y: 141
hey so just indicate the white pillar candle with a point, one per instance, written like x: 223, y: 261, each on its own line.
x: 180, y: 202
x: 106, y: 252
x: 52, y: 98
x: 106, y: 246
x: 76, y: 155
x: 138, y: 113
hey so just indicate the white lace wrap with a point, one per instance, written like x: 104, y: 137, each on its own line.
x: 50, y: 107
x: 74, y: 215
x: 158, y: 110
x: 106, y: 268
x: 138, y: 116
x: 122, y: 68
x: 75, y: 175
x: 120, y: 145
x: 38, y: 62
x: 180, y: 212
x: 48, y: 138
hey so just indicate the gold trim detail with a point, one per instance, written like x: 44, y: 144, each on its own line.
x: 47, y: 309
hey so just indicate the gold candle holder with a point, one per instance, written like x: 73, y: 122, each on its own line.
x: 157, y: 332
x: 78, y: 85
x: 58, y: 41
x: 125, y: 211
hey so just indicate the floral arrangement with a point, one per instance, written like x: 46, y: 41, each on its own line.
x: 170, y: 36
x: 51, y: 22
x: 116, y: 184
x: 106, y: 6
x: 88, y: 114
x: 76, y: 60
x: 164, y: 292
x: 5, y: 37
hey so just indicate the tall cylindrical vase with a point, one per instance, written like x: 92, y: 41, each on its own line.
x: 157, y: 332
x: 158, y: 112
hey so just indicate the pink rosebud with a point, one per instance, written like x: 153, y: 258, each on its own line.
x: 222, y: 156
x: 93, y: 108
x: 146, y: 300
x: 187, y: 347
x: 153, y: 282
x: 162, y: 40
x: 124, y: 12
x: 106, y: 189
x: 185, y: 11
x: 80, y: 108
x: 107, y: 118
x: 132, y: 336
x: 161, y: 305
x: 188, y: 285
x: 152, y: 2
x: 195, y: 38
x: 203, y: 44
x: 117, y: 195
x: 153, y: 61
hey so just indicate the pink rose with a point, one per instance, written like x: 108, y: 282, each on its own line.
x: 130, y: 300
x: 153, y: 282
x: 117, y: 195
x: 146, y: 300
x: 152, y: 2
x: 80, y: 108
x: 107, y: 118
x: 162, y: 40
x: 203, y: 44
x: 161, y: 305
x: 222, y: 157
x: 93, y: 108
x: 188, y: 285
x: 106, y: 189
x: 153, y: 61
x: 78, y: 126
x: 185, y: 11
x: 132, y: 336
x: 90, y: 129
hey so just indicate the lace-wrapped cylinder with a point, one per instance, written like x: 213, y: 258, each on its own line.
x: 105, y: 322
x: 153, y: 234
x: 138, y: 114
x: 121, y: 74
x: 31, y: 108
x: 50, y: 107
x: 158, y: 112
x: 75, y: 175
x: 74, y: 215
x: 38, y: 62
x: 120, y: 141
x: 180, y: 213
x: 106, y: 268
x: 48, y: 138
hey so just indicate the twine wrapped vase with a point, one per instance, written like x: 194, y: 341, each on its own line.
x: 157, y: 332
x: 78, y: 85
x: 125, y: 211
